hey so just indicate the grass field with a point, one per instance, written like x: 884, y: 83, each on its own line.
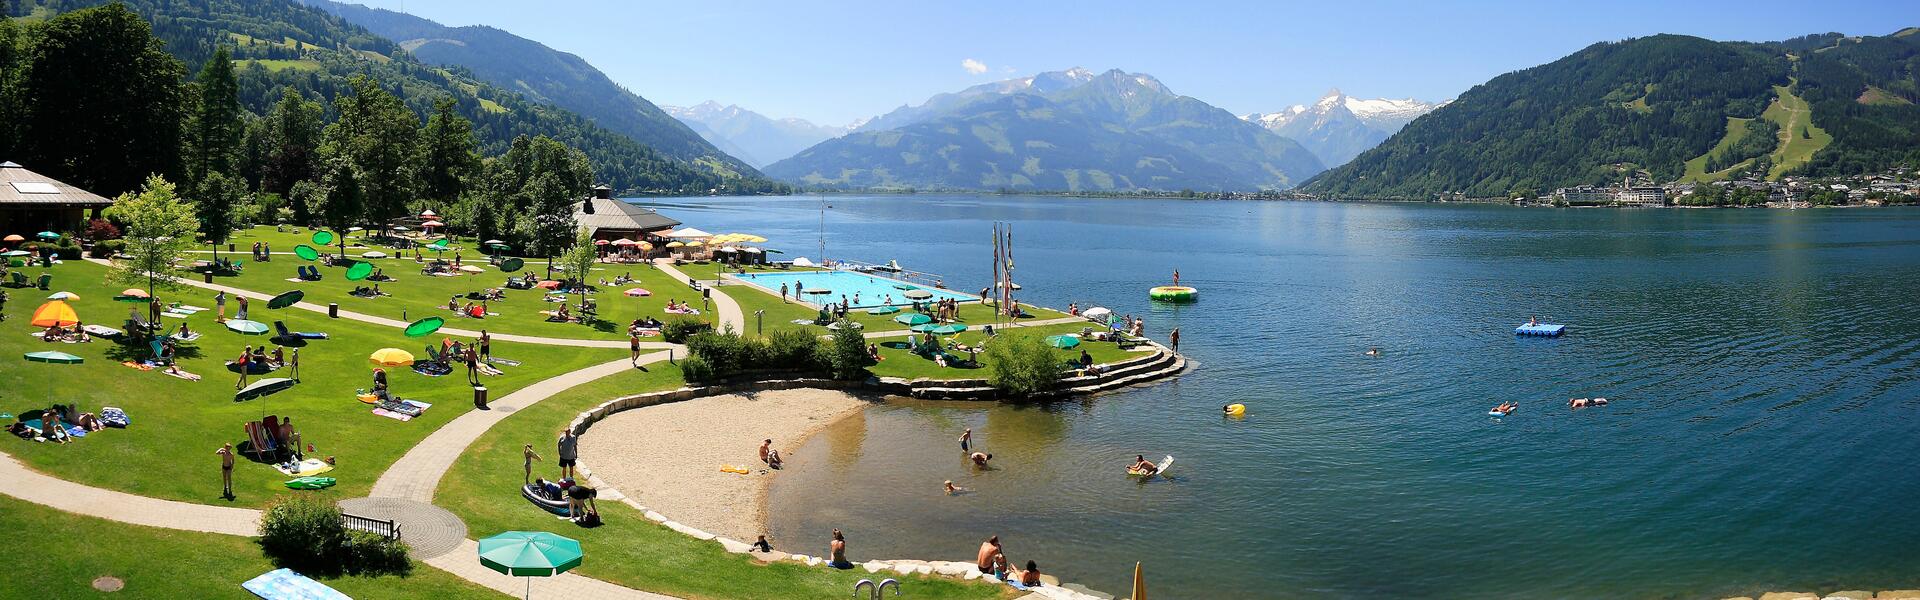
x: 629, y: 549
x: 1697, y: 168
x: 69, y: 551
x: 1794, y: 115
x: 177, y: 424
x: 277, y: 65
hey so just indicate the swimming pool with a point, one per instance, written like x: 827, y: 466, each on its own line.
x: 861, y: 290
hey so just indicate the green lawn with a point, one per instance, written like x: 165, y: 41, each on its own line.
x: 65, y: 552
x: 1793, y: 114
x: 900, y: 362
x: 1697, y: 168
x: 629, y: 549
x: 177, y: 424
x: 281, y: 64
x: 415, y: 296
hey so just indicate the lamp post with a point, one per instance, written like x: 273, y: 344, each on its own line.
x: 758, y: 317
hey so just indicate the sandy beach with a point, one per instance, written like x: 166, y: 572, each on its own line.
x: 668, y: 457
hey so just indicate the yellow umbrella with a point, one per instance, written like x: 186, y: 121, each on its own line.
x: 391, y: 357
x: 54, y: 314
x: 646, y: 246
x: 1139, y: 583
x: 694, y: 244
x: 675, y: 244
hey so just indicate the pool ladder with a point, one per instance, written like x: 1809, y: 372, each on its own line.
x: 874, y: 591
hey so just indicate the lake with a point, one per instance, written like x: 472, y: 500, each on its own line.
x: 1761, y: 366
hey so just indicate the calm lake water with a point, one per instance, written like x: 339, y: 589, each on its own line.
x: 1761, y: 366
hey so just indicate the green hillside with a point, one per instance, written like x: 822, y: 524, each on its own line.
x: 1680, y: 108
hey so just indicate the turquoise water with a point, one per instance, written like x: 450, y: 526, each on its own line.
x: 858, y: 290
x: 1761, y: 364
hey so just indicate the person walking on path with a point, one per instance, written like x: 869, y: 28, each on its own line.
x: 1173, y: 337
x: 569, y: 446
x: 633, y: 347
x: 226, y: 470
x: 966, y: 440
x: 220, y: 307
x: 783, y: 293
x: 527, y: 456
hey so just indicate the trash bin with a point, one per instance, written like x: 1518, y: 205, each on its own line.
x: 209, y: 275
x: 333, y: 310
x: 480, y: 396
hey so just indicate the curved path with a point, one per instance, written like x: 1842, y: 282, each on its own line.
x: 725, y: 310
x: 383, y: 321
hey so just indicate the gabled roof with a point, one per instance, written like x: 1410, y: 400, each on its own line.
x: 609, y: 213
x: 19, y: 186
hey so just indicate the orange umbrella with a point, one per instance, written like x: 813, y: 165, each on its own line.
x: 14, y: 238
x: 548, y: 284
x: 54, y: 314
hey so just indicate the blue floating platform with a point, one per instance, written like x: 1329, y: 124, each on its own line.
x: 1542, y: 330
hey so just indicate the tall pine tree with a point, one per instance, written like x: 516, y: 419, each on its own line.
x: 378, y: 138
x: 213, y: 143
x: 291, y: 144
x: 450, y: 155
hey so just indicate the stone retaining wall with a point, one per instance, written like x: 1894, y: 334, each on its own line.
x: 962, y: 570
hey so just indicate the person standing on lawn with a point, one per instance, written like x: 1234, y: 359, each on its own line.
x: 226, y: 470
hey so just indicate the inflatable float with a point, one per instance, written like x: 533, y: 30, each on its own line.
x: 1234, y: 410
x: 1164, y: 464
x: 532, y: 493
x: 1174, y: 293
x: 310, y: 483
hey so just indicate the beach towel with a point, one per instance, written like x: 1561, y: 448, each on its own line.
x: 181, y: 374
x: 391, y: 415
x: 136, y: 365
x: 114, y: 417
x: 187, y: 338
x: 311, y: 466
x: 284, y: 584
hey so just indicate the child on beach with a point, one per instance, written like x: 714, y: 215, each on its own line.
x: 761, y: 545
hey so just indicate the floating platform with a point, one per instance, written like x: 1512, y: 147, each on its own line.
x: 1174, y: 293
x: 1540, y: 329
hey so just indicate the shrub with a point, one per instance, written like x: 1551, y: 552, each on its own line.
x: 303, y: 533
x: 847, y: 353
x: 1022, y: 365
x: 676, y: 330
x: 102, y: 229
x: 372, y: 553
x: 697, y: 370
x: 793, y: 348
x: 108, y: 248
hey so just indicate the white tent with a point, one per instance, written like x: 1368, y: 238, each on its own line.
x: 688, y: 233
x: 802, y: 262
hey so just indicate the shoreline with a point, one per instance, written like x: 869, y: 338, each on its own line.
x: 668, y: 456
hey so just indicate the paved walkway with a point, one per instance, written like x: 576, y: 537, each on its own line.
x: 20, y: 482
x: 383, y: 321
x: 429, y: 530
x: 725, y: 310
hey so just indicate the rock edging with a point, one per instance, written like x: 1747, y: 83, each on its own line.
x: 966, y: 571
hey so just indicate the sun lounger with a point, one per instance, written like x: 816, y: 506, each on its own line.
x: 19, y: 280
x: 46, y: 281
x: 258, y: 441
x: 281, y: 328
x: 159, y: 352
x: 102, y: 331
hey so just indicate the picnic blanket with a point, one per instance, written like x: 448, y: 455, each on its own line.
x: 311, y: 466
x: 400, y: 414
x: 284, y: 584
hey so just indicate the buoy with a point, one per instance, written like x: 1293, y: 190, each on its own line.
x: 1235, y: 410
x: 1174, y: 293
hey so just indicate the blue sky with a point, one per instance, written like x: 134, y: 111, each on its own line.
x: 833, y: 62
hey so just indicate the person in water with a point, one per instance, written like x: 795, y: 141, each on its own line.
x: 1374, y: 351
x: 966, y: 439
x: 1506, y: 407
x: 1141, y: 466
x: 980, y: 458
x: 952, y: 489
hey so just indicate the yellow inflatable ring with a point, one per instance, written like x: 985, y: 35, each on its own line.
x: 1174, y: 293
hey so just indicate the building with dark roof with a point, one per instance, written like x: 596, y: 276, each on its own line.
x: 610, y: 218
x: 31, y: 202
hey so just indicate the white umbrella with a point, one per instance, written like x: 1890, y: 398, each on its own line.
x: 688, y: 232
x: 1097, y: 313
x: 802, y: 262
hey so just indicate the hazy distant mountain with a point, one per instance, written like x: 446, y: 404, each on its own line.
x: 1064, y: 130
x: 760, y: 140
x: 1676, y: 107
x: 1339, y: 127
x: 543, y: 74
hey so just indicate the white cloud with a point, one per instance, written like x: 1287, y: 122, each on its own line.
x: 973, y: 66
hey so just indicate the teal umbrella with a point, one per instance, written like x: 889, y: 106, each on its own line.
x: 530, y: 554
x: 245, y: 327
x: 912, y: 319
x: 883, y: 310
x: 923, y: 327
x: 948, y: 329
x: 48, y: 235
x: 1063, y: 340
x: 286, y: 299
x: 52, y: 357
x: 13, y: 253
x: 512, y: 264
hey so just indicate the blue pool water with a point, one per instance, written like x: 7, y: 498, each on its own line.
x: 860, y: 289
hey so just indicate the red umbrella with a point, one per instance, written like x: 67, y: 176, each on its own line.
x: 599, y: 242
x: 433, y: 224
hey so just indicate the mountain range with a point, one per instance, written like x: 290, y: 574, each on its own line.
x: 1665, y: 107
x: 1339, y: 127
x: 1063, y: 130
x: 750, y: 136
x: 543, y: 74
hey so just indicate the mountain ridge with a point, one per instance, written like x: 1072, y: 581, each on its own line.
x: 763, y: 139
x: 1338, y: 127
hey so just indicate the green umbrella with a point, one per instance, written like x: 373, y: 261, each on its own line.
x: 923, y: 327
x: 442, y: 243
x: 436, y: 248
x: 263, y: 388
x: 306, y: 252
x: 48, y: 235
x: 1063, y: 340
x: 52, y: 357
x: 948, y: 329
x: 359, y: 271
x: 425, y: 326
x: 322, y: 238
x: 883, y: 310
x: 530, y: 554
x: 912, y: 319
x: 286, y: 299
x: 245, y: 327
x: 512, y: 264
